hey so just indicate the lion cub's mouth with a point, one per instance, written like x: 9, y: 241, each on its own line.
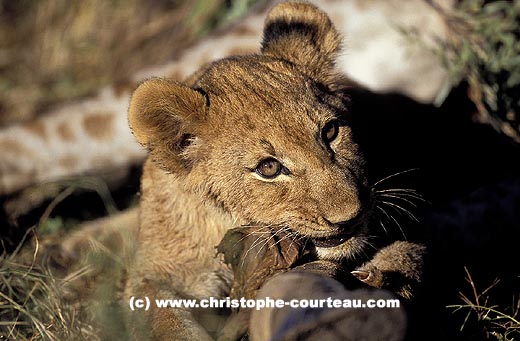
x: 331, y: 241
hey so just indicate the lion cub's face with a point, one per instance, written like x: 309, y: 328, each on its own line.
x: 263, y: 136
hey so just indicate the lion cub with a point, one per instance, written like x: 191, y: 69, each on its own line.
x: 262, y: 138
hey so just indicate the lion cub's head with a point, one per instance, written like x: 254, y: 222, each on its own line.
x: 266, y: 137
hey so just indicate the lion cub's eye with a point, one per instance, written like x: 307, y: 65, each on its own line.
x: 269, y: 168
x: 330, y: 131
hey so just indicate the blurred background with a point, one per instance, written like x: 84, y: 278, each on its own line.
x: 57, y: 51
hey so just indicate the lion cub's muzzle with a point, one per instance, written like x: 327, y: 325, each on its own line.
x: 346, y: 230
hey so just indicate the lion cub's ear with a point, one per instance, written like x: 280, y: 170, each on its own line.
x: 164, y: 116
x: 304, y: 35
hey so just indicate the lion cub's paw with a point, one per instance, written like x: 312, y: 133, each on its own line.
x: 397, y: 267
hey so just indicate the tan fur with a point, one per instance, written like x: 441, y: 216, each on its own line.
x: 205, y: 140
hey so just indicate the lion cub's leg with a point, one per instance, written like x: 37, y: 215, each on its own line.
x: 164, y: 323
x: 143, y: 324
x: 397, y: 267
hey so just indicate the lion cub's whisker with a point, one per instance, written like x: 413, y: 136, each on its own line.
x: 390, y: 196
x: 394, y: 175
x: 391, y: 218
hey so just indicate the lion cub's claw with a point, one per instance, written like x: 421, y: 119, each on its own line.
x: 372, y: 277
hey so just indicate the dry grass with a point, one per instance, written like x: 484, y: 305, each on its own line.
x: 67, y: 287
x: 32, y: 306
x: 501, y: 323
x: 57, y: 50
x: 66, y: 283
